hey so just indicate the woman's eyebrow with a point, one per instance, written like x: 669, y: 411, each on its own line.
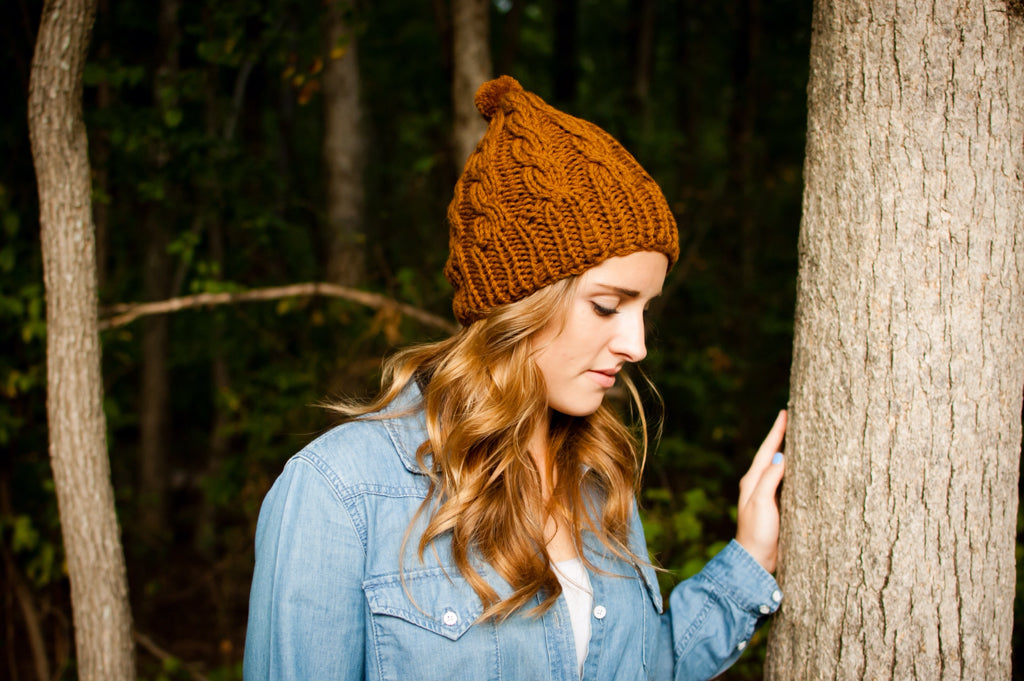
x: 625, y: 292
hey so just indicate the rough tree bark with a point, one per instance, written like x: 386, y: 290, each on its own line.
x: 344, y: 152
x: 900, y: 501
x: 471, y: 57
x: 77, y: 426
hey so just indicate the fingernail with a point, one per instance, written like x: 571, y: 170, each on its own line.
x: 777, y: 458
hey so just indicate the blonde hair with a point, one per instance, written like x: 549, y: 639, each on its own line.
x: 483, y: 396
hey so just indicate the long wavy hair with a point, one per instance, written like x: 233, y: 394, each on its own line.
x: 484, y: 396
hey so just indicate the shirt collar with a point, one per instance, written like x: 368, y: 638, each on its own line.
x: 406, y: 423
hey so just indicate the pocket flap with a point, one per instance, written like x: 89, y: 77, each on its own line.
x: 435, y: 599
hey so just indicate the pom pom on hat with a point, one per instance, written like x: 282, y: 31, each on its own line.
x: 545, y: 196
x: 490, y: 94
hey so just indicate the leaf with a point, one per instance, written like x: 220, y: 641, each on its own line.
x: 172, y: 117
x: 24, y: 536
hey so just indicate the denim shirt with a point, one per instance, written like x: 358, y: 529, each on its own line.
x: 328, y: 601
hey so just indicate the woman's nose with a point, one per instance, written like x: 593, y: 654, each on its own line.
x: 629, y: 341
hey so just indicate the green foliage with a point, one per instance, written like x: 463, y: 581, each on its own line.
x: 219, y: 161
x: 40, y: 557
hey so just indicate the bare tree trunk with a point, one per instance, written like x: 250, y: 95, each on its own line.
x: 565, y: 61
x: 510, y: 45
x: 154, y: 390
x: 101, y: 157
x: 77, y: 426
x: 642, y: 55
x: 742, y: 118
x: 685, y: 55
x: 742, y: 211
x: 344, y: 150
x: 471, y: 55
x: 154, y: 396
x: 443, y: 21
x: 206, y: 534
x: 900, y: 503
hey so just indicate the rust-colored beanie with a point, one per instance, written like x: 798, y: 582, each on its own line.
x: 545, y: 196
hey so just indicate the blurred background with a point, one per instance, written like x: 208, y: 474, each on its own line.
x: 215, y: 170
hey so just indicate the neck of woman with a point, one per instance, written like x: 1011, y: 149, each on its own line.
x: 559, y: 537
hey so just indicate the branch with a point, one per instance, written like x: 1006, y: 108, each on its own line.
x: 33, y: 624
x: 150, y: 646
x: 125, y: 313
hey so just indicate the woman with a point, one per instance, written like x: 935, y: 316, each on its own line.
x: 478, y: 519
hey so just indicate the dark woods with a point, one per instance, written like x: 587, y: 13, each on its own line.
x: 242, y: 145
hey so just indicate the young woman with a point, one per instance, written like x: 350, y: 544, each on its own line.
x: 478, y: 520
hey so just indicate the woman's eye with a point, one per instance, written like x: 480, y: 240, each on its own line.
x: 603, y: 311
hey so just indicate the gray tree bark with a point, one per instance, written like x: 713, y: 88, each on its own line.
x: 471, y: 59
x: 900, y: 501
x: 344, y: 151
x: 77, y: 426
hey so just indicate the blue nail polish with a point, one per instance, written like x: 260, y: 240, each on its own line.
x: 777, y: 458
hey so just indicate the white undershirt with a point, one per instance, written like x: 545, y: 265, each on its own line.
x: 580, y: 598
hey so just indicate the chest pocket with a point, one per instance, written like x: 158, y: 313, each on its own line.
x: 427, y: 629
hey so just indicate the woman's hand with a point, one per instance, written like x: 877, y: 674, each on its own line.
x: 757, y: 518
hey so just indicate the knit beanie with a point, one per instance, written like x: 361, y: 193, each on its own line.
x: 543, y: 197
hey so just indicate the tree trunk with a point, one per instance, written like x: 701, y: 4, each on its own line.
x: 742, y: 150
x: 154, y: 391
x: 743, y: 210
x: 154, y: 388
x: 344, y: 151
x: 510, y: 44
x: 565, y: 60
x: 101, y: 155
x: 685, y: 53
x: 77, y: 426
x: 900, y: 502
x: 642, y: 56
x: 471, y: 55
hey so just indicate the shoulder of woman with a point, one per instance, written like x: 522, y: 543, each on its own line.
x: 377, y: 450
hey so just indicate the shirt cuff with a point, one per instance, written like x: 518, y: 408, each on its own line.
x: 743, y: 579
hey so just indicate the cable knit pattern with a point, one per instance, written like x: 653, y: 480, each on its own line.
x: 545, y: 196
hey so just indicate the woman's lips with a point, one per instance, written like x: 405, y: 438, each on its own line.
x: 605, y: 379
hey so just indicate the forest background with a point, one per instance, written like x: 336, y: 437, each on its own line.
x: 208, y: 145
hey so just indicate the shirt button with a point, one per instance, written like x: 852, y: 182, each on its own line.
x: 600, y: 611
x: 742, y: 645
x: 765, y: 609
x: 776, y: 595
x: 450, y: 618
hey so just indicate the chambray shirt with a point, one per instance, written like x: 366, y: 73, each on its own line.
x: 328, y: 601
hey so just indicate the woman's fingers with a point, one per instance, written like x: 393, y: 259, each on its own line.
x: 763, y: 459
x: 757, y: 523
x: 771, y: 477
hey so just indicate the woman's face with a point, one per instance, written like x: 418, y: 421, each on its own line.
x: 603, y: 329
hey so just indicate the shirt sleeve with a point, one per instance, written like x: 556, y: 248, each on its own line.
x: 712, y: 615
x: 306, y: 605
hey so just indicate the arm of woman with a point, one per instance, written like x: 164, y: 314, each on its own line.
x: 306, y: 606
x: 712, y: 615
